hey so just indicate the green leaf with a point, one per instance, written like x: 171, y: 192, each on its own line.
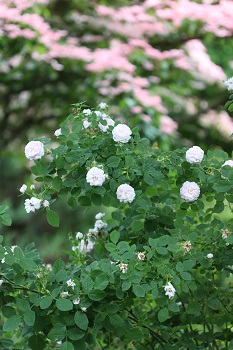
x: 81, y: 320
x: 45, y: 302
x: 163, y: 315
x: 136, y: 334
x: 222, y: 186
x: 67, y: 346
x: 126, y: 285
x: 230, y: 108
x: 138, y: 290
x: 57, y: 183
x: 36, y: 342
x: 64, y: 304
x: 87, y: 284
x: 5, y: 219
x: 11, y: 323
x: 58, y: 332
x: 22, y: 304
x: 52, y: 218
x: 84, y: 201
x: 113, y: 161
x: 29, y: 318
x: 97, y: 295
x: 28, y: 264
x: 114, y: 236
x: 3, y: 209
x: 116, y: 320
x: 75, y: 333
x: 101, y: 282
x: 186, y: 276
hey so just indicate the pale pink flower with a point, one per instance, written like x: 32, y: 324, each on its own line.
x: 34, y: 150
x: 194, y: 155
x: 167, y: 125
x: 121, y: 133
x: 190, y: 191
x: 95, y: 176
x: 125, y: 193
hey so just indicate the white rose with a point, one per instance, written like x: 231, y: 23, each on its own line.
x: 45, y: 203
x: 194, y: 155
x: 32, y: 204
x: 86, y: 124
x: 87, y: 111
x: 228, y: 162
x: 85, y: 247
x: 190, y: 191
x: 121, y: 133
x: 99, y: 216
x: 209, y: 256
x: 103, y: 105
x: 23, y: 188
x: 34, y: 150
x: 99, y: 224
x: 125, y: 193
x: 79, y: 235
x: 57, y: 132
x: 109, y: 121
x: 95, y: 176
x: 229, y: 84
x: 170, y: 290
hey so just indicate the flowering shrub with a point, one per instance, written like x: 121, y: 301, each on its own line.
x: 153, y: 275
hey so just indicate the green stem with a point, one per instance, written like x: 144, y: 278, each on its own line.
x: 19, y: 286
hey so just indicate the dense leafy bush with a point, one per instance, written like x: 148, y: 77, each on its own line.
x: 154, y: 274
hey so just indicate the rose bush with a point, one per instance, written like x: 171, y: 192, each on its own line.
x: 155, y: 274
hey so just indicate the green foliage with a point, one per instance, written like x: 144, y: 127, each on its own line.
x: 115, y: 287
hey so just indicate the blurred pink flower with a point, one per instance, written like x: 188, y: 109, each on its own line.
x: 167, y: 125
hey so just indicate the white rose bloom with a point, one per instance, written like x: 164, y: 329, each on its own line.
x: 23, y: 188
x: 170, y: 290
x: 32, y: 204
x: 209, y: 256
x: 125, y: 193
x: 86, y: 124
x: 85, y: 247
x: 87, y: 111
x: 229, y: 84
x: 194, y: 155
x: 190, y: 191
x: 79, y: 235
x: 45, y: 203
x: 98, y: 113
x: 76, y: 301
x: 121, y: 133
x: 99, y: 216
x: 71, y: 283
x: 57, y: 132
x: 95, y: 176
x: 92, y: 232
x: 228, y: 162
x: 123, y: 267
x: 34, y: 150
x: 99, y: 224
x: 109, y: 121
x: 103, y: 105
x: 74, y: 248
